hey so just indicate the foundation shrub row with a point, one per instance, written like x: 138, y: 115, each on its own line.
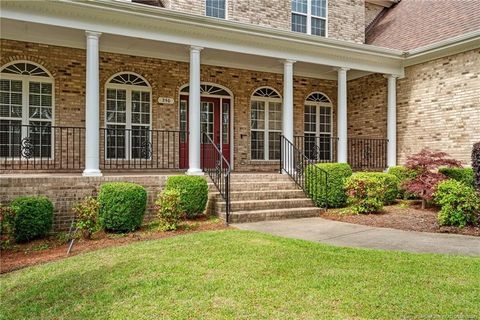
x: 119, y: 208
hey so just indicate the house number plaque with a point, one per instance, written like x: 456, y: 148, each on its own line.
x: 165, y: 100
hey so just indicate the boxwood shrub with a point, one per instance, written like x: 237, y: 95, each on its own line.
x: 389, y: 183
x: 33, y: 217
x: 122, y: 206
x: 460, y: 205
x: 337, y: 173
x: 403, y: 174
x: 464, y: 175
x: 193, y: 193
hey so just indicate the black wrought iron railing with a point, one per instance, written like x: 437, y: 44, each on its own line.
x: 140, y: 148
x: 218, y: 169
x: 48, y: 148
x: 302, y: 170
x: 321, y: 148
x: 362, y: 153
x: 41, y: 147
x: 367, y: 154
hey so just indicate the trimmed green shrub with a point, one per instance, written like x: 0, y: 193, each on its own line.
x: 389, y: 183
x: 33, y: 217
x: 86, y: 216
x: 193, y: 193
x: 169, y: 209
x: 7, y: 216
x: 464, y: 175
x: 476, y: 164
x: 337, y: 173
x: 365, y: 192
x: 403, y: 175
x: 460, y: 205
x: 122, y: 206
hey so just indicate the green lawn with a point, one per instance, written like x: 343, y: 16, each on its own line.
x: 243, y: 275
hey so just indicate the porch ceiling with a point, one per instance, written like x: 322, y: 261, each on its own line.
x: 129, y: 26
x: 75, y: 38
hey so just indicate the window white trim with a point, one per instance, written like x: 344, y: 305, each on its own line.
x: 128, y: 112
x: 226, y: 11
x: 309, y: 17
x: 317, y: 106
x: 25, y: 119
x: 266, y: 130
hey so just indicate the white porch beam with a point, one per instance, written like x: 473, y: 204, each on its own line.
x: 92, y: 106
x: 342, y: 128
x: 194, y: 140
x: 392, y: 120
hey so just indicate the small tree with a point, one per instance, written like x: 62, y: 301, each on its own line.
x: 426, y: 164
x: 476, y: 164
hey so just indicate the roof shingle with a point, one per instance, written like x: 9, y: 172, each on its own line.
x: 416, y: 23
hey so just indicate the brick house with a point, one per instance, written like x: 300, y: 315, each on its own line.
x: 134, y: 86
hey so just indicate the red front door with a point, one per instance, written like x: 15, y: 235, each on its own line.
x: 214, y: 123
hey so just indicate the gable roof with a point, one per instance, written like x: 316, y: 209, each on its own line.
x: 410, y: 24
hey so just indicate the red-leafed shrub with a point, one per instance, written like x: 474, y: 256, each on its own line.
x: 426, y: 164
x: 476, y: 164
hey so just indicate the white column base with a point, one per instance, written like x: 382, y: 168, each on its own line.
x: 92, y: 173
x: 194, y: 172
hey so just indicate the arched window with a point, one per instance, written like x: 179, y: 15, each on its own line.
x: 127, y: 117
x: 318, y: 127
x: 26, y: 110
x: 265, y: 124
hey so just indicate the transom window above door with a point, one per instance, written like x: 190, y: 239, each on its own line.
x: 310, y: 17
x: 265, y: 124
x: 318, y: 127
x: 26, y: 111
x: 128, y: 117
x: 215, y: 8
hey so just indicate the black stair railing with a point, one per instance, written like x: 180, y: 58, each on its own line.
x: 309, y: 177
x: 218, y: 169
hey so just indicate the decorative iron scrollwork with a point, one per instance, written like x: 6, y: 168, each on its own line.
x: 146, y: 149
x: 218, y: 167
x: 299, y: 167
x: 26, y: 148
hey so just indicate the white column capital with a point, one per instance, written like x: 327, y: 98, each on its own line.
x: 341, y: 69
x: 288, y: 62
x: 92, y: 34
x: 195, y: 49
x: 391, y: 76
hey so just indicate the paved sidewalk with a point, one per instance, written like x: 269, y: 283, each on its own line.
x: 354, y: 235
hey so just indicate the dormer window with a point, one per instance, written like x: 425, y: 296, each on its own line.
x: 215, y: 8
x: 310, y: 17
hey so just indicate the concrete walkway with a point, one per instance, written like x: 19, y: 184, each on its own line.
x: 354, y: 235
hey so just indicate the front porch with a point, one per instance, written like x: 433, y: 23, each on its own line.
x: 58, y: 149
x: 119, y: 98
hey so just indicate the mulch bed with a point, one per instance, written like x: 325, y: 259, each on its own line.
x: 51, y: 249
x: 408, y: 216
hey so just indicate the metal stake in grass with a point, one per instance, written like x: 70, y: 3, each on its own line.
x: 71, y: 235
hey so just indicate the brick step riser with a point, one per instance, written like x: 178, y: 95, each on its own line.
x: 252, y: 206
x: 279, y: 215
x: 263, y: 187
x: 260, y: 179
x: 264, y: 195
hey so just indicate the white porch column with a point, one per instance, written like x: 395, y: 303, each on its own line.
x: 392, y: 120
x: 342, y: 115
x: 194, y: 113
x: 92, y: 107
x: 287, y: 123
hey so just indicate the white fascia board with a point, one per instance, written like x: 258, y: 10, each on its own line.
x: 164, y: 25
x: 448, y: 47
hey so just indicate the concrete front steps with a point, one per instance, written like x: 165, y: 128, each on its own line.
x: 263, y: 196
